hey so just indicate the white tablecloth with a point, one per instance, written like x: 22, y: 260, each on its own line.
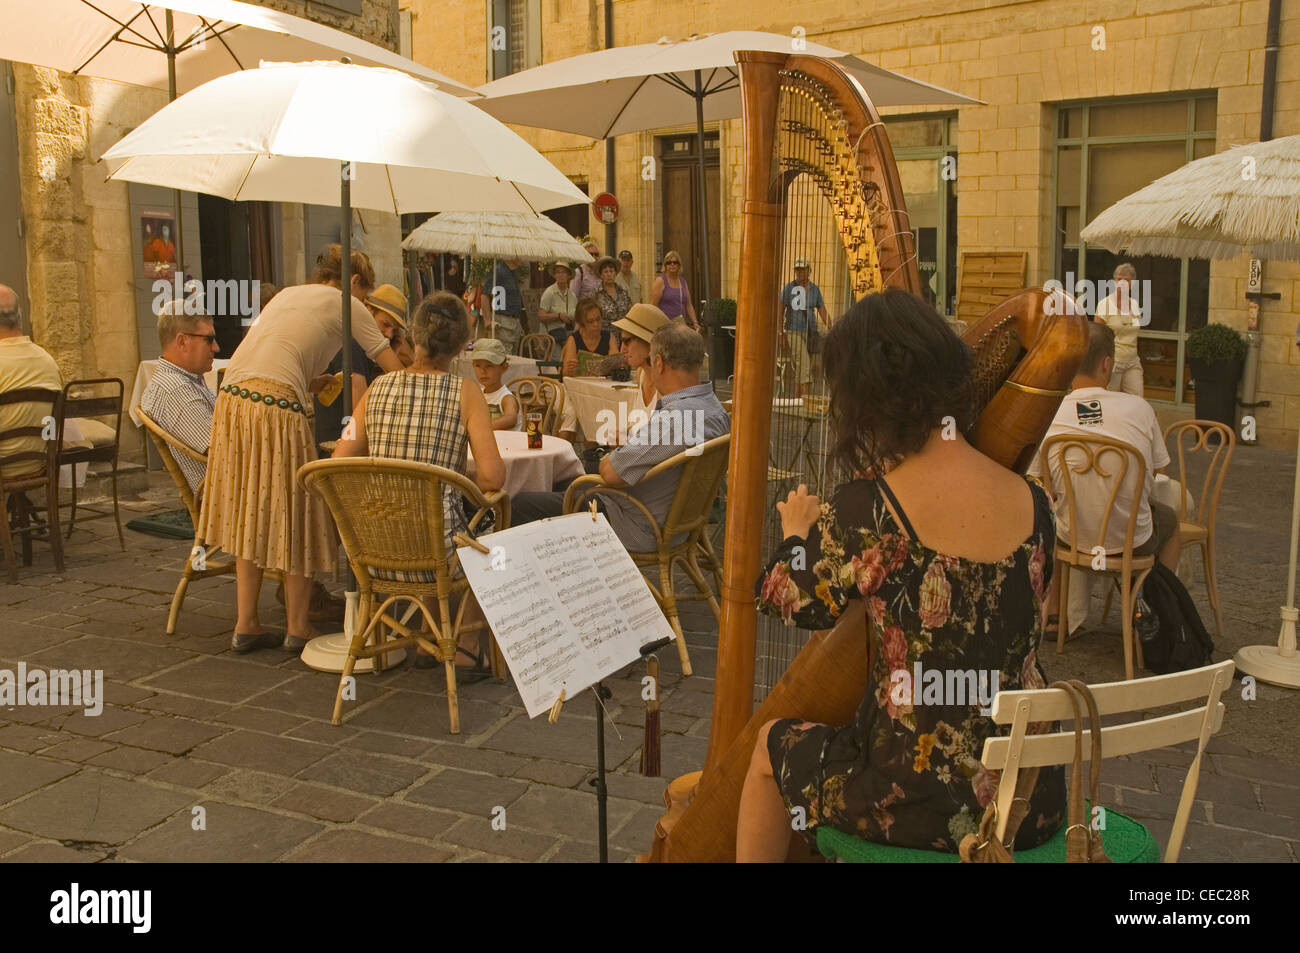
x: 534, y: 470
x: 146, y: 372
x: 589, y: 396
x: 517, y: 367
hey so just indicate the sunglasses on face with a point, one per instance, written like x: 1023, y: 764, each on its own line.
x: 210, y: 338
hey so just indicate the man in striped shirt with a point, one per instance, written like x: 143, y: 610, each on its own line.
x: 178, y: 398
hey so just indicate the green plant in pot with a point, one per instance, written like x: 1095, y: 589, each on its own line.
x: 1216, y: 353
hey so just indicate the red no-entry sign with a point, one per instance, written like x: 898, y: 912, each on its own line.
x: 606, y: 208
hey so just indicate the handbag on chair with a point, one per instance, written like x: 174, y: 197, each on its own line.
x: 1083, y: 844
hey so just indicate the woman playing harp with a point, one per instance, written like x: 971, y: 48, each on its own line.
x: 950, y: 587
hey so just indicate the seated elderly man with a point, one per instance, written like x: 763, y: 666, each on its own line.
x: 178, y: 399
x: 1090, y: 408
x: 23, y: 364
x: 688, y: 414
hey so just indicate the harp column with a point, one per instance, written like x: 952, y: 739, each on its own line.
x: 756, y: 329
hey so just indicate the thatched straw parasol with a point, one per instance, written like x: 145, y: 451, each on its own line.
x: 496, y: 235
x: 1243, y: 200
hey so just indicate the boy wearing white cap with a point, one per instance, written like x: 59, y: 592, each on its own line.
x: 490, y: 363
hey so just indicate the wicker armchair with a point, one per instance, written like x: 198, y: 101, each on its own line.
x: 540, y: 395
x: 197, y: 564
x: 389, y: 515
x: 682, y: 536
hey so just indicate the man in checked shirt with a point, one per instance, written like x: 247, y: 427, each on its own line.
x: 178, y: 398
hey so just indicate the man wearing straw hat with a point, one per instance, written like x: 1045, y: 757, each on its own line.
x: 558, y: 301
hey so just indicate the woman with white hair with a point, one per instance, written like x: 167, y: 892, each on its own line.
x: 1122, y: 311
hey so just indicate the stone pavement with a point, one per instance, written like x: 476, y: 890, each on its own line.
x: 247, y: 738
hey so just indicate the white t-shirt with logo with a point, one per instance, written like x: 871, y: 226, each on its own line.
x: 1106, y: 413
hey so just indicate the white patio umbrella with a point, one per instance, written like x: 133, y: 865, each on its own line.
x: 497, y: 235
x: 178, y: 45
x: 1244, y: 200
x: 1240, y: 201
x: 652, y: 85
x: 282, y: 133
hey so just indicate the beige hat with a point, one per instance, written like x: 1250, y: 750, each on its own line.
x: 490, y: 350
x: 390, y: 300
x: 642, y: 321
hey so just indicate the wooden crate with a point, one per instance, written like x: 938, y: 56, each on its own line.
x: 986, y: 279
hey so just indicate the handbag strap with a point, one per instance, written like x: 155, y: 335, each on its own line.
x: 1076, y: 833
x: 1096, y: 848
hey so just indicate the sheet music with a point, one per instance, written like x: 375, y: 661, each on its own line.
x: 566, y: 603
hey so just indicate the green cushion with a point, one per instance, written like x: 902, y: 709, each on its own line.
x: 1126, y: 842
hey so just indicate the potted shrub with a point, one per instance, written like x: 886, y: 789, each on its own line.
x: 720, y: 314
x: 1216, y: 353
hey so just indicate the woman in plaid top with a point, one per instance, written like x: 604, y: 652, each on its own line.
x: 428, y: 414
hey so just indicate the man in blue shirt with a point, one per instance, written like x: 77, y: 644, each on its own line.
x: 688, y: 414
x: 803, y: 307
x: 509, y: 318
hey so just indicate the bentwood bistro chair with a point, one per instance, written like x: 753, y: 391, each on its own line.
x: 37, y: 470
x: 682, y: 537
x: 1121, y: 469
x: 1196, y: 693
x: 537, y: 346
x: 541, y: 395
x: 1214, y: 442
x: 390, y: 518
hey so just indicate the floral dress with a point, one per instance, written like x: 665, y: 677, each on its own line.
x: 906, y: 771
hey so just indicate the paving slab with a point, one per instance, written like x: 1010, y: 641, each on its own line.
x: 21, y: 775
x: 408, y: 819
x: 116, y: 657
x: 251, y: 749
x: 365, y: 773
x: 323, y: 803
x: 219, y: 679
x: 175, y: 736
x: 230, y: 833
x: 475, y: 794
x: 478, y: 833
x: 131, y: 760
x: 409, y: 713
x: 345, y: 846
x: 92, y: 806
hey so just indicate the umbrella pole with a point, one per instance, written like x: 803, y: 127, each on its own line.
x: 345, y: 245
x: 171, y: 97
x: 704, y: 185
x: 1279, y: 664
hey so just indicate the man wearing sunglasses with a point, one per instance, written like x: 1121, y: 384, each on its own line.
x: 178, y: 398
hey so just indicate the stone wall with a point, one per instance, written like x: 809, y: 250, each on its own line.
x: 1019, y: 58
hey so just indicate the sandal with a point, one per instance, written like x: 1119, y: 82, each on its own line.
x: 477, y: 672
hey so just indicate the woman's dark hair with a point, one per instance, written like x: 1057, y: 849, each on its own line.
x: 583, y: 308
x: 440, y: 326
x: 606, y: 262
x: 895, y: 370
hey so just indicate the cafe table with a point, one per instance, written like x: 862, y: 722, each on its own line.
x: 533, y: 470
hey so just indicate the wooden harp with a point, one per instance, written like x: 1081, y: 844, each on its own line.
x: 812, y: 136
